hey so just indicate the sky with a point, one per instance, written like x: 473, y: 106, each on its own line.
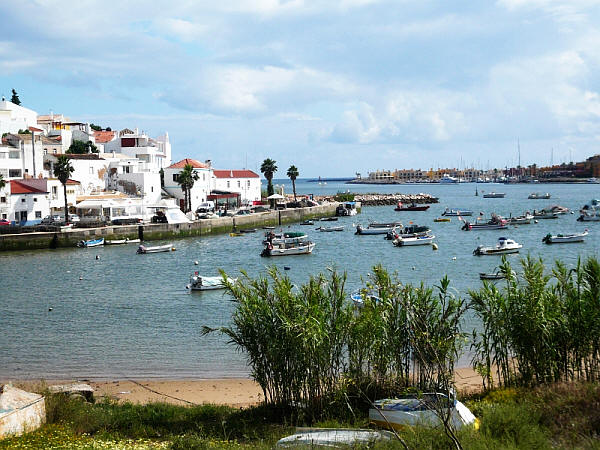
x: 332, y: 87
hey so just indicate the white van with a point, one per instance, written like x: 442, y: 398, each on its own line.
x: 205, y: 207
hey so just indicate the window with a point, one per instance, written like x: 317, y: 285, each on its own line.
x: 239, y: 183
x: 54, y: 191
x: 38, y: 214
x: 3, y: 155
x: 55, y: 152
x: 151, y: 188
x: 2, y: 199
x: 22, y: 200
x: 45, y: 151
x: 176, y: 177
x: 35, y: 199
x: 203, y: 177
x: 91, y: 170
x: 14, y: 154
x: 248, y: 184
x: 228, y: 183
x: 4, y: 216
x: 126, y: 169
x: 14, y: 173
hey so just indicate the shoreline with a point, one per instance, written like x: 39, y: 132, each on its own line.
x: 235, y: 392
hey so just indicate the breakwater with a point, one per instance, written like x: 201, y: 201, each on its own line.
x: 393, y: 199
x: 149, y: 232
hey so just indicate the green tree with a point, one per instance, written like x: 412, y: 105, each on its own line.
x: 293, y: 173
x: 63, y: 170
x: 186, y: 180
x: 15, y: 98
x: 95, y: 127
x: 80, y: 147
x: 268, y: 168
x: 2, y: 182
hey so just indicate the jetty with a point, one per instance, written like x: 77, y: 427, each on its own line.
x: 393, y: 199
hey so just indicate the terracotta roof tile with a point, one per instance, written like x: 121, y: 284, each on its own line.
x: 18, y: 187
x: 104, y: 136
x: 195, y: 164
x: 235, y: 174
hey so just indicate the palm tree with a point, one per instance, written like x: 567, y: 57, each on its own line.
x: 186, y: 180
x: 63, y: 170
x: 293, y: 173
x: 268, y: 168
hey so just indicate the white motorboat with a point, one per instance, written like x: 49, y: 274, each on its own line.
x: 301, y: 248
x: 329, y: 229
x: 202, y: 283
x: 420, y: 410
x: 457, y: 212
x: 121, y: 241
x: 377, y: 228
x: 499, y: 275
x: 91, y: 243
x: 413, y: 240
x: 590, y: 212
x: 525, y: 219
x: 539, y: 196
x: 564, y: 238
x: 291, y: 237
x: 504, y: 246
x: 495, y: 223
x: 142, y: 249
x: 359, y: 298
x: 494, y: 195
x: 544, y: 215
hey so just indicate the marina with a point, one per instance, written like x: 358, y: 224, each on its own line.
x: 122, y: 316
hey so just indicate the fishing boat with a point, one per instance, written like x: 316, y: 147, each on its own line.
x: 384, y: 224
x: 495, y: 223
x: 420, y: 409
x: 457, y: 212
x: 91, y: 243
x: 539, y: 196
x: 202, y: 283
x: 329, y: 229
x: 408, y: 231
x: 442, y: 219
x: 412, y: 207
x: 590, y: 212
x: 290, y: 237
x: 373, y: 229
x: 544, y: 214
x: 283, y: 249
x: 564, y: 238
x: 414, y: 240
x: 504, y: 246
x: 525, y: 219
x: 494, y: 195
x: 142, y: 249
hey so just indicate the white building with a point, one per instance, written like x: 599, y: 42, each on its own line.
x: 155, y: 152
x: 133, y: 177
x: 26, y: 203
x: 14, y: 117
x: 22, y: 157
x: 201, y: 189
x: 90, y: 170
x: 243, y: 182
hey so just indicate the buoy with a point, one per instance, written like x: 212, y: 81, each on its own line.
x: 49, y: 309
x: 80, y: 277
x: 187, y: 286
x: 454, y: 258
x: 535, y: 221
x: 434, y: 246
x: 172, y: 249
x: 97, y: 256
x: 572, y: 212
x: 195, y: 263
x: 413, y: 267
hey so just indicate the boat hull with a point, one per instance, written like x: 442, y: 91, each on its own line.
x: 411, y: 241
x: 91, y: 243
x: 158, y: 249
x: 303, y: 249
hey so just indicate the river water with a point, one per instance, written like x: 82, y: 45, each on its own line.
x: 131, y: 315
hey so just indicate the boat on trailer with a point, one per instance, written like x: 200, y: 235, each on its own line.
x: 564, y: 238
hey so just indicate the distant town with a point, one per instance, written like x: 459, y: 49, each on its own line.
x: 579, y: 172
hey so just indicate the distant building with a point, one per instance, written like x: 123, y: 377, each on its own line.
x: 243, y: 182
x: 201, y: 188
x: 15, y: 117
x: 155, y: 152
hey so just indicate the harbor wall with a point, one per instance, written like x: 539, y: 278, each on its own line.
x: 149, y: 232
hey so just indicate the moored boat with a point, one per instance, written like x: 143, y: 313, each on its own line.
x: 283, y: 249
x: 544, y: 214
x: 121, y: 241
x: 457, y: 212
x: 494, y: 195
x: 408, y: 231
x: 590, y: 212
x: 539, y: 196
x: 202, y: 283
x: 412, y: 207
x: 504, y: 246
x: 498, y: 275
x: 142, y: 249
x: 329, y: 229
x: 495, y: 223
x: 307, y: 222
x: 91, y: 243
x: 414, y: 240
x: 290, y: 237
x: 525, y: 219
x: 564, y: 238
x: 442, y: 219
x: 372, y: 230
x: 359, y: 297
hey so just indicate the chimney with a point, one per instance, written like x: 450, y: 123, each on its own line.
x: 208, y: 162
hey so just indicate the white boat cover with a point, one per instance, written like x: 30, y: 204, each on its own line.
x: 333, y: 438
x: 20, y: 411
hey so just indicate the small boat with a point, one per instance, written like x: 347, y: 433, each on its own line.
x: 235, y: 234
x: 543, y: 214
x: 290, y: 237
x: 442, y: 219
x: 504, y: 246
x: 564, y: 238
x: 525, y: 219
x: 142, y: 249
x: 495, y: 223
x: 268, y: 228
x: 359, y: 298
x: 457, y: 212
x: 420, y: 409
x: 539, y: 196
x: 498, y: 275
x: 412, y: 207
x: 408, y: 231
x: 283, y: 249
x: 121, y: 241
x: 329, y: 229
x: 590, y: 212
x: 372, y: 230
x: 91, y: 243
x: 202, y: 283
x: 385, y: 224
x: 307, y: 222
x: 494, y: 195
x: 248, y: 230
x: 328, y: 219
x: 415, y: 240
x: 334, y: 437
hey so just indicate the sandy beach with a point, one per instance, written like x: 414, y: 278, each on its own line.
x: 236, y: 392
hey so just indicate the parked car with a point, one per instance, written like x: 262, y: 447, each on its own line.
x: 243, y: 212
x: 4, y: 222
x: 74, y: 218
x: 260, y: 208
x: 51, y: 219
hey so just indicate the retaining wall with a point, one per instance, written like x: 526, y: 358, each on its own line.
x: 149, y: 232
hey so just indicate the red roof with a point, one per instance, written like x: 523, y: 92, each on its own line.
x: 17, y: 187
x: 195, y: 164
x: 235, y: 174
x: 103, y: 137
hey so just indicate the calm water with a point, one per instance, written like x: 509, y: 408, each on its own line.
x: 131, y: 315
